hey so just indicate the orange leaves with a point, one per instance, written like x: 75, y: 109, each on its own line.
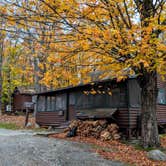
x: 117, y: 151
x: 93, y: 92
x: 3, y: 9
x: 120, y: 78
x: 75, y: 38
x: 19, y: 121
x: 144, y: 62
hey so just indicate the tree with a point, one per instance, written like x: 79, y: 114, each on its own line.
x: 118, y: 38
x: 1, y: 57
x: 2, y: 42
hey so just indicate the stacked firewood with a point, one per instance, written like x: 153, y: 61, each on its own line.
x: 99, y: 129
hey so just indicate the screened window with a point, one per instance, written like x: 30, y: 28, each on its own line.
x: 114, y: 99
x: 61, y: 101
x: 134, y: 93
x: 72, y: 98
x: 162, y: 96
x: 48, y: 103
x: 83, y: 101
x: 99, y: 100
x: 41, y: 103
x: 53, y: 103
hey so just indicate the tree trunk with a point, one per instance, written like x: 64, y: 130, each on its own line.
x: 1, y: 58
x: 1, y: 81
x: 150, y: 136
x: 36, y: 76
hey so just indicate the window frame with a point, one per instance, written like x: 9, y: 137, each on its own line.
x: 161, y: 91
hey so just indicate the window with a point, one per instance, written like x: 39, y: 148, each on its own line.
x: 48, y: 103
x: 100, y: 100
x: 72, y: 98
x: 53, y: 102
x: 104, y: 100
x: 161, y: 96
x: 114, y: 99
x: 41, y: 104
x: 61, y: 102
x: 134, y: 93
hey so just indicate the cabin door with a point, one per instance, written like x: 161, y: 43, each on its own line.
x: 71, y: 113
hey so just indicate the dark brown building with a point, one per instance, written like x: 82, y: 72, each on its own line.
x: 118, y: 102
x: 19, y: 100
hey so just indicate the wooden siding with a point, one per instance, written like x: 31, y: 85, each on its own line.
x: 161, y: 114
x: 161, y: 108
x: 127, y: 120
x: 49, y: 118
x: 18, y: 101
x: 161, y: 83
x: 122, y: 117
x: 134, y: 117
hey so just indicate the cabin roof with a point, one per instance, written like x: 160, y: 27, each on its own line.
x: 69, y: 88
x: 73, y: 87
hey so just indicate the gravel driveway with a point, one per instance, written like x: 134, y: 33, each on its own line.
x: 18, y: 148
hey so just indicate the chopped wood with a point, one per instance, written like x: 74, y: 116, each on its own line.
x: 99, y: 129
x: 105, y: 135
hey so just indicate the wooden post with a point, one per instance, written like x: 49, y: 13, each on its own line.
x: 28, y: 106
x: 26, y: 116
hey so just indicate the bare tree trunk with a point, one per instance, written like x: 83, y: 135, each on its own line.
x: 150, y: 136
x: 1, y: 58
x: 36, y: 76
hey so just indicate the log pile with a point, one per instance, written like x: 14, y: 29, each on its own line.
x: 99, y: 129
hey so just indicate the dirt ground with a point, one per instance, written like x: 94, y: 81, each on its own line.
x: 111, y: 150
x: 19, y: 121
x: 23, y: 148
x: 116, y: 150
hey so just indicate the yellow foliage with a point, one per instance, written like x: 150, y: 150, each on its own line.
x: 80, y: 41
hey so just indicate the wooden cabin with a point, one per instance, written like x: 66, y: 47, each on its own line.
x: 161, y: 103
x: 117, y: 102
x: 19, y: 100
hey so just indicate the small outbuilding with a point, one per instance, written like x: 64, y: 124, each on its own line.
x: 19, y: 101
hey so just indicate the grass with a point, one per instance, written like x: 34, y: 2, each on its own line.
x: 10, y: 126
x: 39, y: 129
x: 162, y: 135
x: 138, y: 146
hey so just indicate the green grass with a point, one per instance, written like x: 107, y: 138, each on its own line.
x: 138, y: 146
x: 39, y: 129
x: 162, y: 135
x: 11, y: 126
